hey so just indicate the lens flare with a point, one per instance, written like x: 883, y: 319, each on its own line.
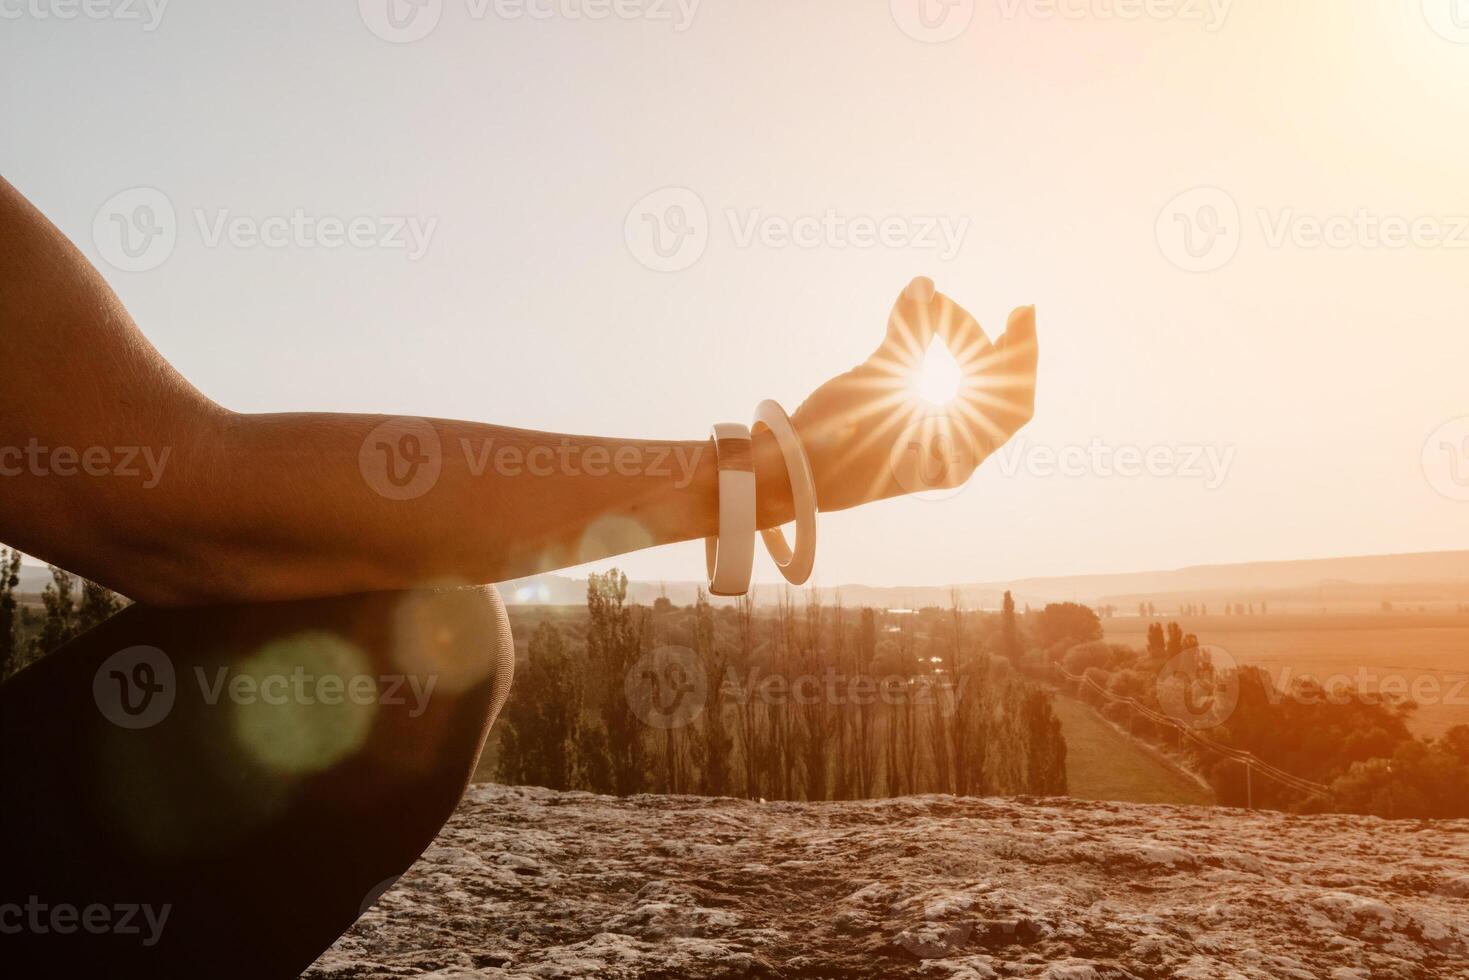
x: 938, y: 377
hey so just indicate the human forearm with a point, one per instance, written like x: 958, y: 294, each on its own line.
x: 285, y: 506
x: 334, y: 503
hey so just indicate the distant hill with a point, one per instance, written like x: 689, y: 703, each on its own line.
x: 1434, y: 576
x: 1422, y: 577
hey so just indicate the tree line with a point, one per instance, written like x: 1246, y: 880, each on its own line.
x: 69, y: 606
x: 1354, y: 741
x: 1146, y: 610
x: 799, y: 701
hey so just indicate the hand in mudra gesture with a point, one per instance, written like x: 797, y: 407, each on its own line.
x: 870, y: 436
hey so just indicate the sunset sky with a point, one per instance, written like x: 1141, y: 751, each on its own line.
x: 1283, y: 388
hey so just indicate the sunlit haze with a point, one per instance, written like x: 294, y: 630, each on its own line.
x: 639, y: 227
x: 937, y: 382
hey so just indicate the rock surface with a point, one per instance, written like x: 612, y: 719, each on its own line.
x: 527, y: 882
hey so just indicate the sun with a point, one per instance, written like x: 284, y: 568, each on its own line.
x: 938, y: 376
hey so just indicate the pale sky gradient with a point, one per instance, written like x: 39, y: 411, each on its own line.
x: 1060, y: 140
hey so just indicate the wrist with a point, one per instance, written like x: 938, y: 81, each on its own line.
x: 774, y: 500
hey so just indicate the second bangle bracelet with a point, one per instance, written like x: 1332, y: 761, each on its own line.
x: 795, y: 564
x: 730, y: 556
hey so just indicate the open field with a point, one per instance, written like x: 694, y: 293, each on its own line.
x: 1423, y: 655
x: 1103, y: 764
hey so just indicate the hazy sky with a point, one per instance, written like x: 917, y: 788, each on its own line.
x: 1037, y: 156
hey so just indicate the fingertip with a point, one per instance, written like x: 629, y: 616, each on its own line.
x: 1020, y: 330
x: 912, y: 320
x: 920, y: 290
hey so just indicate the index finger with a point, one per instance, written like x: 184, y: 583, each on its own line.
x: 912, y: 321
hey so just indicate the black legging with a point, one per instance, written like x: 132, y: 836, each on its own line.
x: 221, y: 792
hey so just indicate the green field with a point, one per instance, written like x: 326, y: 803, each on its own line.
x: 1423, y: 652
x: 1104, y: 764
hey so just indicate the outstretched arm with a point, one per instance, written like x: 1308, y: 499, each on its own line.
x: 114, y: 466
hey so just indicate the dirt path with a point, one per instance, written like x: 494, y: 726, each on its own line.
x: 1104, y: 764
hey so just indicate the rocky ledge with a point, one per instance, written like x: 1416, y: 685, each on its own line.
x: 527, y: 882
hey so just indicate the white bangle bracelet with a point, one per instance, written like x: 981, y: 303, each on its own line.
x: 795, y: 566
x: 730, y: 557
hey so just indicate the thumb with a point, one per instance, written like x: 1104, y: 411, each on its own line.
x: 1019, y: 343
